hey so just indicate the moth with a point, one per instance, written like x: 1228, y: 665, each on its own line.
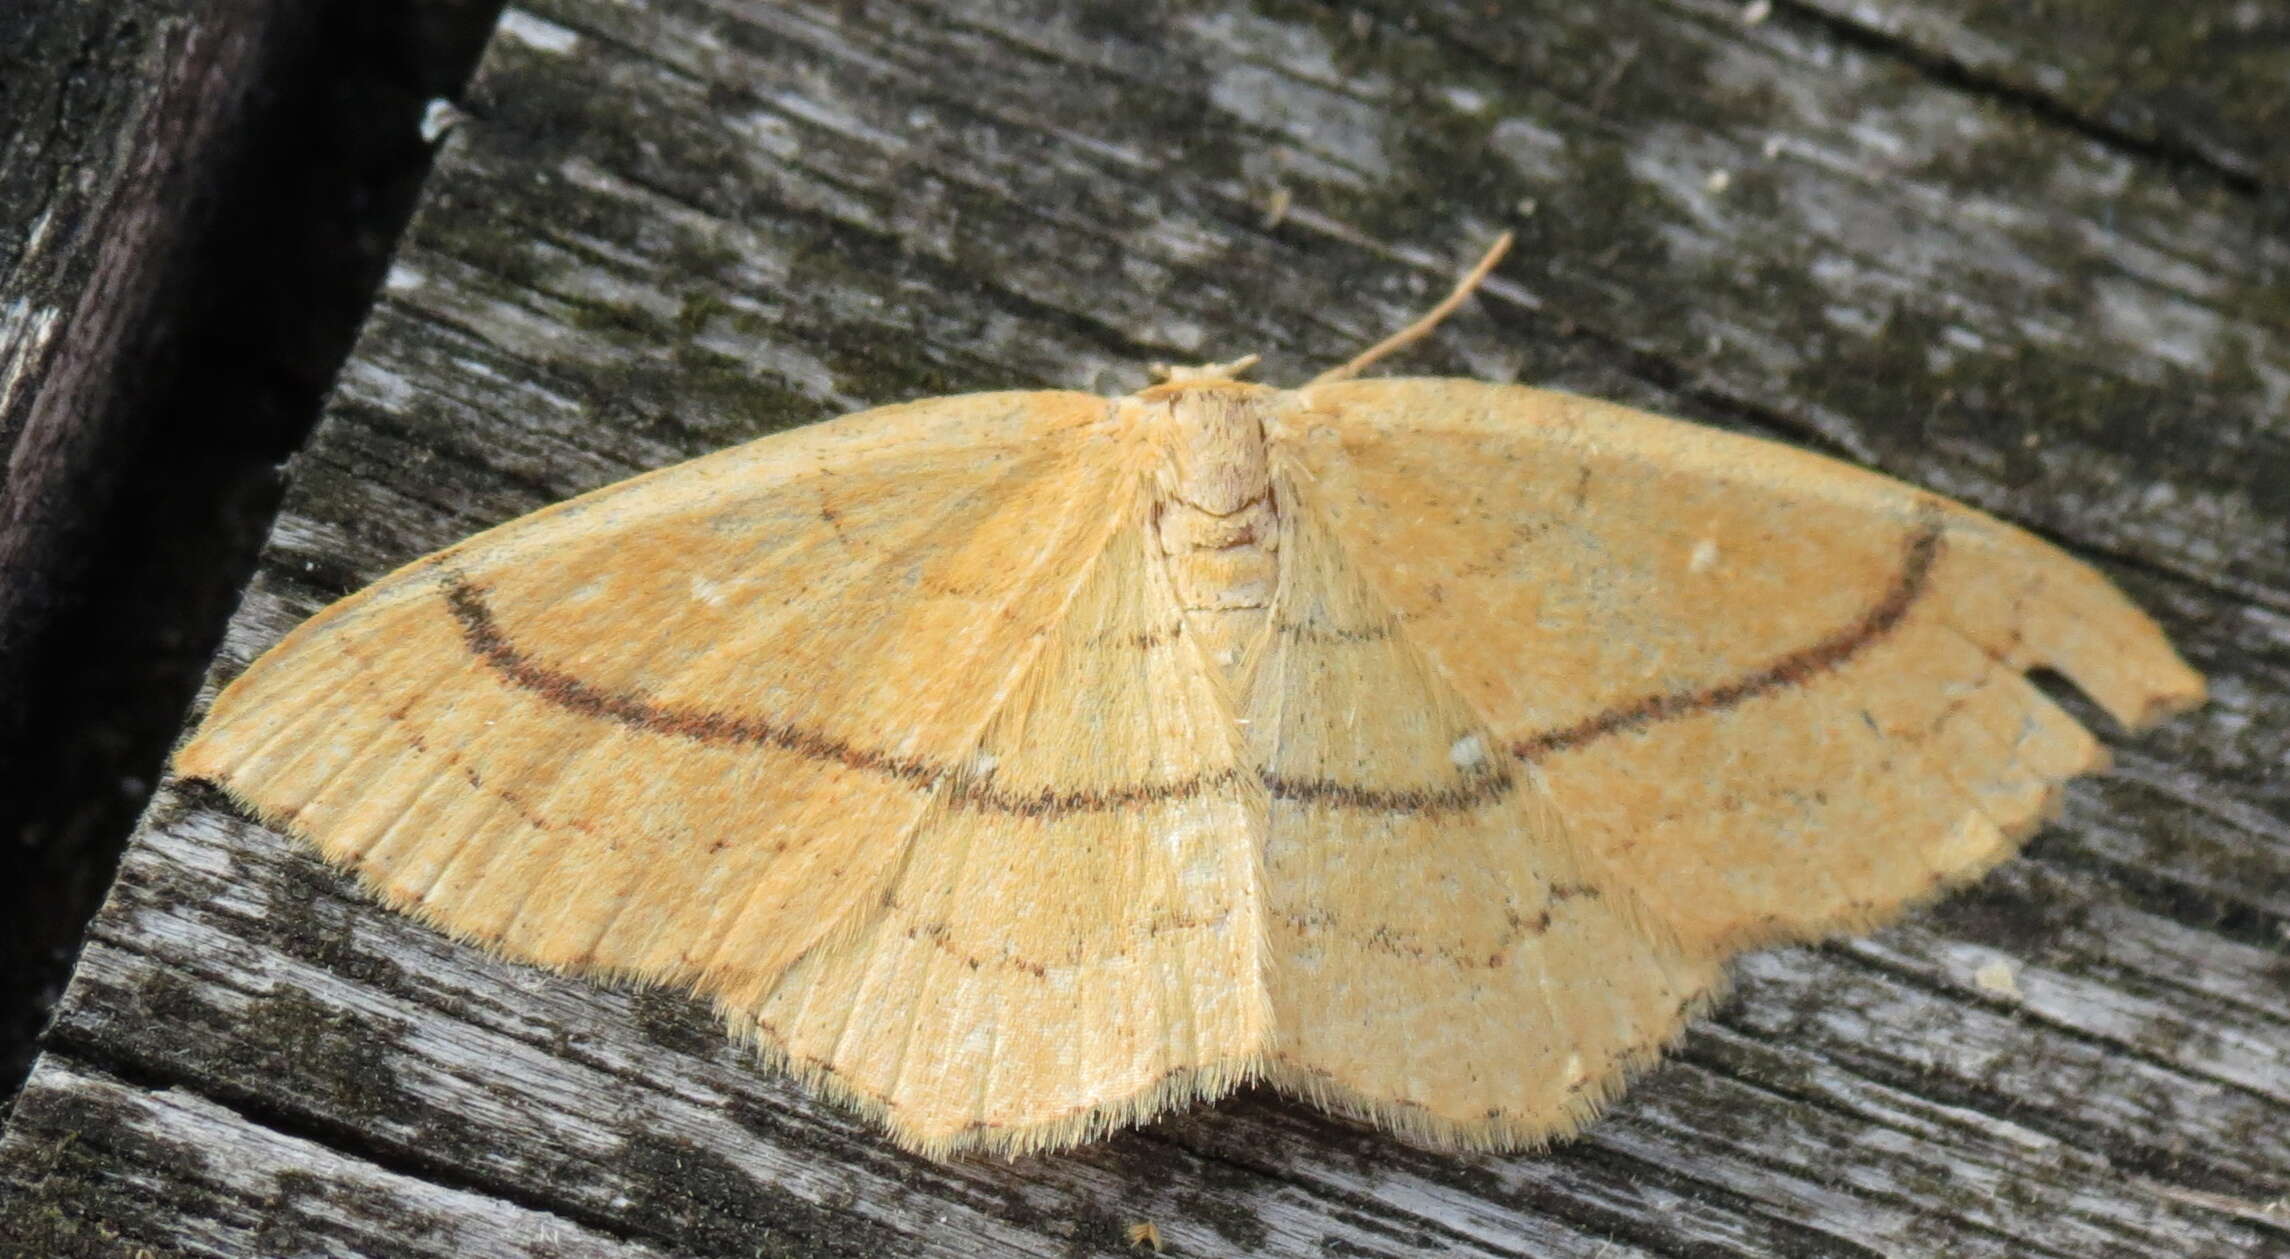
x: 1017, y: 766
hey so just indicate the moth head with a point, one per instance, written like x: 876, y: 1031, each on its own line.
x: 1212, y: 429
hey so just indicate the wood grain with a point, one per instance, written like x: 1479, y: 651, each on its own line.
x: 670, y: 225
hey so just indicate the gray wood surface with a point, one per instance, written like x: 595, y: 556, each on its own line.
x: 1934, y: 246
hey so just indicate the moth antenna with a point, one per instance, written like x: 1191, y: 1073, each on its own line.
x: 1422, y: 327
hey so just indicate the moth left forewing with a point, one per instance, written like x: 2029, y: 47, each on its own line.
x: 1781, y: 696
x: 673, y: 729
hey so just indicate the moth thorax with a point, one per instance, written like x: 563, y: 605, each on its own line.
x: 1218, y: 519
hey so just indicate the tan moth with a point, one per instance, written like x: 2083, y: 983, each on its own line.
x: 1016, y: 766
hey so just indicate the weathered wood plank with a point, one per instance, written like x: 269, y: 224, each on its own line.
x: 2117, y: 69
x: 278, y: 987
x: 675, y: 224
x: 229, y: 1186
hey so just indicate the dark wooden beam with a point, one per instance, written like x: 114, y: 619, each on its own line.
x: 196, y: 202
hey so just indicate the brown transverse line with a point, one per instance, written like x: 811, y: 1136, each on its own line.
x: 1922, y: 551
x: 483, y: 635
x: 1481, y: 787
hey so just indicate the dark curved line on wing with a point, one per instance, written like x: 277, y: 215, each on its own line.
x: 972, y: 791
x: 1832, y: 652
x: 1476, y: 789
x: 482, y: 634
x: 486, y: 641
